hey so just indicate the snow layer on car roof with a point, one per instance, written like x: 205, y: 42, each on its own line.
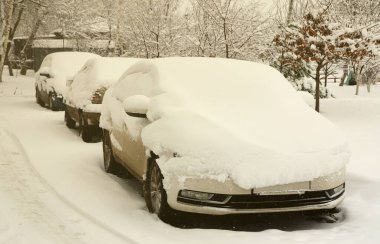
x: 230, y: 119
x: 67, y: 64
x: 105, y: 70
x: 95, y: 74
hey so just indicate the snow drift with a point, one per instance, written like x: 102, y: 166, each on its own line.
x: 226, y: 119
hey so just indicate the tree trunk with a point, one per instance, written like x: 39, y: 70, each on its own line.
x: 290, y: 12
x: 358, y: 80
x: 369, y: 87
x: 29, y: 41
x: 5, y: 37
x: 10, y: 67
x: 317, y: 80
x: 225, y: 37
x: 11, y: 35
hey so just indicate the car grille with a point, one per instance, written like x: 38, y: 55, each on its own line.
x: 256, y: 201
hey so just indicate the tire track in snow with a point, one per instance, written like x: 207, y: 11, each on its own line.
x: 21, y: 181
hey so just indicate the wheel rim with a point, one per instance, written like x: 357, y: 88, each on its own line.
x: 107, y: 154
x: 155, y: 189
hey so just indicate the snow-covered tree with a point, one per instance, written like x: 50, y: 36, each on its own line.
x: 10, y: 16
x: 312, y: 43
x: 226, y: 28
x: 152, y: 28
x: 361, y: 26
x: 286, y: 15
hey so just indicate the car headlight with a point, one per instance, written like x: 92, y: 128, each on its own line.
x: 335, y: 191
x: 196, y: 195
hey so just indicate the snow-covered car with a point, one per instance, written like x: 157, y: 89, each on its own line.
x: 84, y: 95
x: 217, y: 136
x: 56, y: 69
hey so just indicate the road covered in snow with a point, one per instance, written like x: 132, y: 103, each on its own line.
x: 53, y: 188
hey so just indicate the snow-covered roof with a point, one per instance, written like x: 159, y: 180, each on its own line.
x: 105, y: 70
x: 97, y: 25
x: 228, y: 118
x: 73, y: 44
x: 37, y: 37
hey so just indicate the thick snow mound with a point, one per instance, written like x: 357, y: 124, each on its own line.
x: 62, y: 66
x: 228, y: 118
x: 97, y: 73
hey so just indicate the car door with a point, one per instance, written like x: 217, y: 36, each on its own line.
x: 134, y: 153
x: 116, y: 137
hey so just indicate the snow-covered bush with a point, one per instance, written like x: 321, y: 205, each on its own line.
x: 308, y: 85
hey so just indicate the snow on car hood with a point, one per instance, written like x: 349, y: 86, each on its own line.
x: 235, y: 119
x: 269, y: 155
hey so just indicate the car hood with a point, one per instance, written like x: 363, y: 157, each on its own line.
x: 276, y: 148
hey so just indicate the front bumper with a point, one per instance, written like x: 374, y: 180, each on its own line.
x: 58, y: 103
x: 228, y: 198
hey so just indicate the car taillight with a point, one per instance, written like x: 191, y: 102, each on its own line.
x: 97, y: 97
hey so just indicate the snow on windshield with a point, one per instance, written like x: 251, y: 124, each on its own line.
x: 96, y: 73
x: 67, y: 64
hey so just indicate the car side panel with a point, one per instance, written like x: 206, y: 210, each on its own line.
x: 134, y: 151
x: 44, y: 96
x: 116, y: 137
x: 129, y: 152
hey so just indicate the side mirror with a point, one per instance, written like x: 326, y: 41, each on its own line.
x: 44, y: 71
x: 136, y: 106
x: 45, y: 75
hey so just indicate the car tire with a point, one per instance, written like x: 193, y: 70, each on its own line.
x: 85, y: 130
x: 70, y: 123
x: 38, y: 98
x: 155, y: 194
x: 51, y: 103
x: 110, y: 164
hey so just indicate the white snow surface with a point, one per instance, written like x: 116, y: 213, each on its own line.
x: 228, y: 118
x: 62, y: 66
x: 53, y: 187
x: 96, y: 73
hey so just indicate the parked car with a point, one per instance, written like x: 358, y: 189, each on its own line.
x: 84, y: 94
x: 216, y: 136
x: 56, y: 69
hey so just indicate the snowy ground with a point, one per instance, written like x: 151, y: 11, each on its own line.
x: 53, y: 188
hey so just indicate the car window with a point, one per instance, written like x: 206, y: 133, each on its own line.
x: 134, y: 84
x: 46, y: 62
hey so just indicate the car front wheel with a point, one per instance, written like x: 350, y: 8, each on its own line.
x: 38, y: 98
x: 51, y: 103
x: 155, y: 194
x: 84, y: 130
x: 70, y: 123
